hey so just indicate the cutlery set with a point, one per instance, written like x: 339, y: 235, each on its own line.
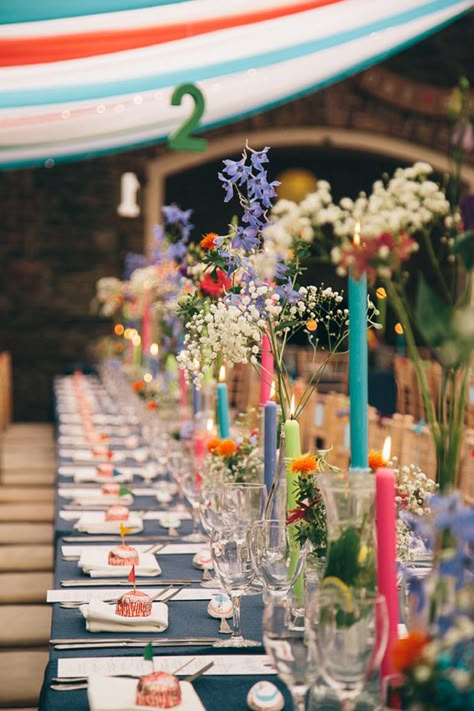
x: 163, y: 596
x: 81, y: 682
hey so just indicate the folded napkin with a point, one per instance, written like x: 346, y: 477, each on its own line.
x: 90, y: 474
x: 108, y: 693
x: 101, y: 617
x: 94, y: 497
x: 94, y: 522
x: 94, y: 562
x: 86, y: 455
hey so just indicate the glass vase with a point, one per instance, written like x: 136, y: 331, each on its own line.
x: 349, y: 498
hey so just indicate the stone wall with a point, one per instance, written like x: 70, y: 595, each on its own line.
x: 60, y: 232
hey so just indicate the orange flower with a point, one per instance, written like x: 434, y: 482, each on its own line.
x: 152, y: 405
x: 213, y: 444
x: 407, y: 651
x: 138, y: 386
x: 376, y: 460
x: 207, y: 241
x: 304, y: 465
x: 226, y: 448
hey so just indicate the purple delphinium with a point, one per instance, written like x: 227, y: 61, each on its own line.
x: 133, y: 261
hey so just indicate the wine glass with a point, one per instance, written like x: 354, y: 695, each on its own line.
x: 230, y: 553
x: 191, y: 483
x: 277, y: 557
x: 243, y: 502
x: 210, y: 507
x: 290, y: 643
x: 351, y: 627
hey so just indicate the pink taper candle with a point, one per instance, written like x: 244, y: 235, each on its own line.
x: 146, y: 325
x: 266, y: 376
x: 385, y: 510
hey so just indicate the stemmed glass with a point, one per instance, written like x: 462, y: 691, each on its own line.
x: 277, y: 558
x: 230, y: 553
x: 243, y: 502
x: 351, y: 629
x: 290, y: 644
x: 210, y: 507
x: 191, y: 483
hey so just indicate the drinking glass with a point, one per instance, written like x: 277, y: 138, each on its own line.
x: 244, y: 502
x: 210, y: 507
x: 191, y: 483
x: 351, y: 627
x: 230, y: 553
x: 290, y: 643
x: 277, y: 558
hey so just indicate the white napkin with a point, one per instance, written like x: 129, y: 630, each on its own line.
x: 95, y: 563
x: 108, y: 693
x: 90, y: 474
x: 101, y: 617
x: 95, y: 497
x: 94, y: 522
x: 86, y: 455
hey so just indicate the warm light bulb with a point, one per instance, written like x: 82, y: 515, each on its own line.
x: 398, y: 328
x: 154, y: 349
x: 222, y: 374
x: 387, y: 448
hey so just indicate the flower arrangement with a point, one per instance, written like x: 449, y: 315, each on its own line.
x: 436, y: 658
x: 408, y: 218
x: 233, y: 460
x: 254, y: 271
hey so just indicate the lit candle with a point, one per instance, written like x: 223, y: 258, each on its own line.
x: 267, y: 370
x: 154, y: 359
x: 293, y: 450
x: 399, y: 339
x: 358, y: 367
x: 381, y: 295
x: 269, y: 442
x: 223, y: 406
x: 137, y: 349
x: 385, y: 509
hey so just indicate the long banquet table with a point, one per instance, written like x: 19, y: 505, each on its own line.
x: 187, y: 618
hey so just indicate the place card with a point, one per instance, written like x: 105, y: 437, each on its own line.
x: 87, y: 594
x: 224, y: 665
x: 74, y: 552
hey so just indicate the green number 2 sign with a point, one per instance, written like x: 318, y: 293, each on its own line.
x: 182, y: 140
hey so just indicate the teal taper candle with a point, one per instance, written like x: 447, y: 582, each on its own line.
x: 358, y: 372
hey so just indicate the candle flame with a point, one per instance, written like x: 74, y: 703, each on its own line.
x: 398, y: 328
x: 222, y: 374
x: 210, y: 425
x: 357, y: 234
x: 129, y: 333
x: 119, y: 329
x: 154, y: 349
x: 272, y: 391
x: 292, y: 406
x: 136, y: 340
x: 387, y: 448
x: 148, y: 377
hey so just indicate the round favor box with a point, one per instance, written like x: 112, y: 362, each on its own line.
x: 123, y: 555
x: 264, y: 696
x: 202, y: 560
x: 105, y: 471
x: 117, y: 513
x: 220, y: 605
x: 159, y: 690
x: 134, y: 603
x: 111, y: 489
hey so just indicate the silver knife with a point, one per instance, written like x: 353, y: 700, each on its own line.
x: 137, y: 644
x: 112, y: 539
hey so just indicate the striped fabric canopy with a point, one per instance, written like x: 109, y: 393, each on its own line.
x: 86, y: 77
